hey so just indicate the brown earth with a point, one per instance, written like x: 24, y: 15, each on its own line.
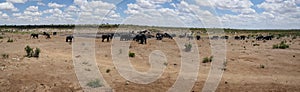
x: 54, y: 71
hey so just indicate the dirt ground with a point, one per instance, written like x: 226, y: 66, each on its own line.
x: 53, y: 71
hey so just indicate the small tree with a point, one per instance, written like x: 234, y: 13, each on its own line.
x: 37, y: 52
x: 188, y: 47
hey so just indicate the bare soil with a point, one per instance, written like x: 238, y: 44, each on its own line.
x: 53, y: 71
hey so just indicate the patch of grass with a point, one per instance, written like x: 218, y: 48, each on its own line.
x: 207, y: 59
x: 131, y: 54
x: 282, y: 45
x: 95, y: 84
x: 5, y: 56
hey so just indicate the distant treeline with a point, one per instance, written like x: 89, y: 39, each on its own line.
x: 68, y: 26
x: 72, y: 26
x: 249, y: 30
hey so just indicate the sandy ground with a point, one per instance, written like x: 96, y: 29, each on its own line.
x: 53, y: 71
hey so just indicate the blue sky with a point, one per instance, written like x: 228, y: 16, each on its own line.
x: 254, y: 14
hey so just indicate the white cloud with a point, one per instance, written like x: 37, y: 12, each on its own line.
x: 279, y: 6
x: 32, y: 8
x: 16, y: 14
x: 297, y: 1
x: 17, y: 1
x: 5, y: 16
x: 80, y: 2
x: 55, y: 5
x: 41, y: 4
x: 95, y: 11
x: 238, y: 6
x: 184, y: 14
x: 8, y: 6
x: 72, y: 8
x: 53, y: 11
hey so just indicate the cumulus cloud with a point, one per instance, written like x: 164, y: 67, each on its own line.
x: 41, y: 4
x: 95, y: 11
x: 182, y: 14
x: 55, y: 5
x: 32, y: 8
x: 4, y: 16
x: 279, y: 6
x: 8, y: 6
x: 17, y: 1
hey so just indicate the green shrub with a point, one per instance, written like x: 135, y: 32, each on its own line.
x: 131, y: 54
x: 36, y: 52
x: 1, y: 37
x: 188, y: 47
x: 282, y: 45
x: 10, y: 40
x: 294, y: 37
x: 207, y: 59
x: 31, y: 53
x: 5, y: 56
x: 94, y: 84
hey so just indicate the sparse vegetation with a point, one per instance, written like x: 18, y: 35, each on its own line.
x: 256, y: 44
x: 1, y: 37
x: 107, y: 70
x: 5, y: 56
x: 262, y: 66
x: 282, y: 45
x: 10, y: 40
x: 165, y: 63
x: 207, y: 59
x: 95, y: 83
x: 131, y: 54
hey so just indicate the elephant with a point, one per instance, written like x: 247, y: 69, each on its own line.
x: 107, y: 37
x: 47, y: 35
x: 141, y: 38
x: 198, y: 37
x: 159, y: 36
x: 69, y: 38
x: 33, y: 35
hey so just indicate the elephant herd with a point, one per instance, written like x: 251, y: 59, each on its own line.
x: 36, y: 36
x: 142, y: 36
